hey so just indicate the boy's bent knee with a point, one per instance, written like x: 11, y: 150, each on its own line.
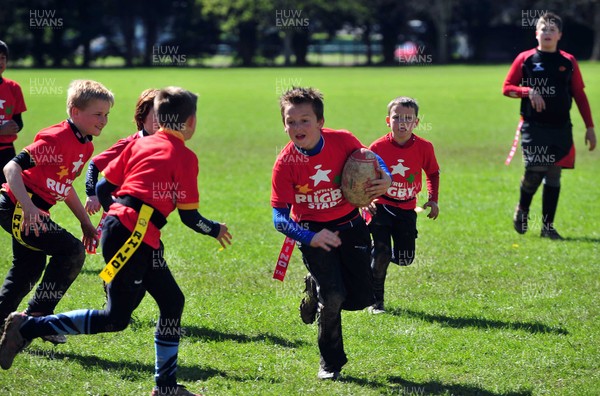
x: 74, y: 262
x: 382, y: 255
x: 532, y: 180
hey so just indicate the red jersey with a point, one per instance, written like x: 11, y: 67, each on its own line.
x: 160, y: 171
x: 59, y: 153
x: 406, y: 164
x: 101, y: 160
x: 312, y: 184
x: 11, y: 103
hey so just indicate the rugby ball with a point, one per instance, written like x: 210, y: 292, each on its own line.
x: 361, y: 167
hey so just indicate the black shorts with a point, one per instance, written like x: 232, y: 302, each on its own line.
x: 395, y: 229
x: 345, y: 270
x: 546, y: 145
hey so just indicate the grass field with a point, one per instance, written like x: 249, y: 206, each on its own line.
x: 482, y: 311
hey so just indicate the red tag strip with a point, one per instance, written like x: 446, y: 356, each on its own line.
x: 513, y: 149
x: 99, y: 233
x: 284, y: 258
x: 366, y: 215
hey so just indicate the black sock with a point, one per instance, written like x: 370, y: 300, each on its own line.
x: 525, y: 199
x: 549, y: 204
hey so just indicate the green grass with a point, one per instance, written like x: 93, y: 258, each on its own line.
x: 482, y: 311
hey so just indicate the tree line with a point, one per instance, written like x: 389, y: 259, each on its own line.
x: 68, y: 33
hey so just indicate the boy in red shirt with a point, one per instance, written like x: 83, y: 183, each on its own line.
x: 308, y: 206
x: 39, y: 177
x: 394, y: 217
x: 12, y: 105
x: 151, y: 178
x: 546, y: 80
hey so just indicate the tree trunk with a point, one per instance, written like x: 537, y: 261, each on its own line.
x: 247, y: 43
x: 389, y: 37
x: 442, y: 11
x: 368, y: 44
x: 129, y: 37
x: 150, y: 26
x: 287, y: 47
x: 596, y: 26
x: 300, y: 42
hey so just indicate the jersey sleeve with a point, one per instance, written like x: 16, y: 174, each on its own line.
x: 432, y: 172
x: 579, y: 95
x: 282, y: 186
x: 187, y: 196
x: 114, y: 172
x: 44, y: 150
x: 512, y: 83
x: 19, y: 100
x: 102, y: 160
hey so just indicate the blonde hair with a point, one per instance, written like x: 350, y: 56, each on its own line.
x: 82, y: 92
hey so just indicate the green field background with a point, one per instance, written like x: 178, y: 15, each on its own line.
x: 482, y: 311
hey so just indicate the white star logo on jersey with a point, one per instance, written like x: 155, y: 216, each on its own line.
x: 400, y: 168
x: 321, y: 175
x: 2, y: 103
x: 538, y: 66
x: 77, y: 164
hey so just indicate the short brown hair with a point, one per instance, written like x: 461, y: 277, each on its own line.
x: 173, y: 106
x: 404, y: 101
x: 82, y: 92
x: 144, y: 103
x: 550, y: 19
x: 299, y: 95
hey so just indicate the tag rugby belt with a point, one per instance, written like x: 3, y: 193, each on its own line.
x: 17, y: 218
x: 146, y: 215
x: 136, y: 204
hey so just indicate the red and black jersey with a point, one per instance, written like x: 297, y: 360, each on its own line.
x: 59, y: 153
x: 311, y: 185
x: 160, y: 171
x: 102, y: 160
x: 556, y: 77
x: 406, y: 164
x: 11, y: 103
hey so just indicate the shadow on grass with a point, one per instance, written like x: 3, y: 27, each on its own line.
x: 132, y: 370
x: 532, y: 327
x: 405, y: 387
x: 204, y: 334
x: 400, y: 386
x: 582, y: 239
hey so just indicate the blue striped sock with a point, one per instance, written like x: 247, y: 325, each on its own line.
x: 68, y: 323
x: 166, y: 362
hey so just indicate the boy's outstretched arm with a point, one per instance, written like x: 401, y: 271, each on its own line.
x: 194, y: 220
x: 583, y: 105
x: 433, y: 186
x: 92, y: 204
x: 104, y: 190
x: 380, y: 186
x: 90, y: 236
x: 324, y: 239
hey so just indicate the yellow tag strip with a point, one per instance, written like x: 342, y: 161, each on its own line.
x: 17, y: 219
x: 133, y: 243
